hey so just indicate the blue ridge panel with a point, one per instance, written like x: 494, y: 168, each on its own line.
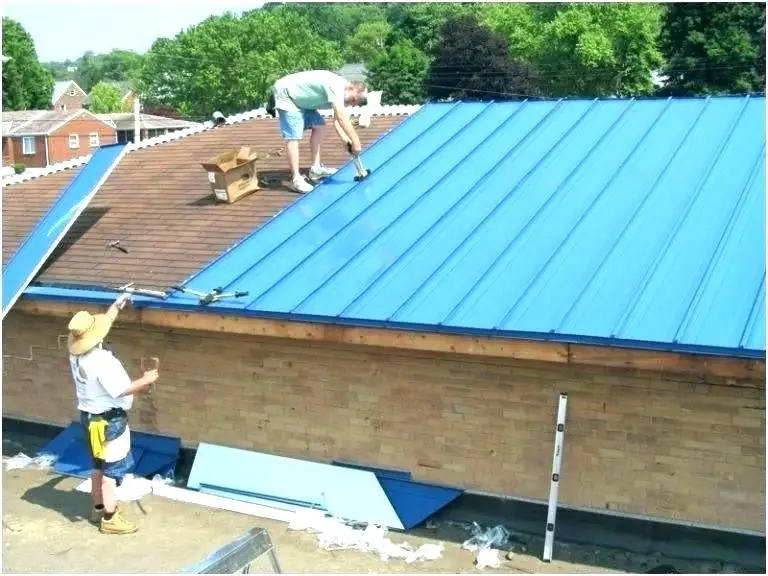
x: 379, y: 472
x: 51, y: 228
x: 634, y: 223
x: 152, y: 453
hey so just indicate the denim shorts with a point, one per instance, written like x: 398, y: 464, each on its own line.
x: 115, y: 427
x: 293, y: 123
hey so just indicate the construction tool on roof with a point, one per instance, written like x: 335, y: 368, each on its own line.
x: 116, y: 244
x: 232, y: 174
x: 213, y: 296
x: 130, y: 288
x: 362, y: 173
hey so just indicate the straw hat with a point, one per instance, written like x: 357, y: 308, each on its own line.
x: 86, y: 331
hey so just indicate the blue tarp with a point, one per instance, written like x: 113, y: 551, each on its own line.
x: 152, y: 453
x: 51, y: 228
x: 352, y: 492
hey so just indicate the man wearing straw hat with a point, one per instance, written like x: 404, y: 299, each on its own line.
x: 104, y: 396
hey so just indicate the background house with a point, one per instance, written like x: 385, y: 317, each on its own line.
x: 38, y: 138
x: 67, y: 95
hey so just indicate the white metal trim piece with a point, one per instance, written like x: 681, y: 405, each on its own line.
x: 557, y: 460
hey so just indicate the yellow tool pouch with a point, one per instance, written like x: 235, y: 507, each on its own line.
x: 98, y: 437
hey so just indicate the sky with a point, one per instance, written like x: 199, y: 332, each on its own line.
x: 65, y: 30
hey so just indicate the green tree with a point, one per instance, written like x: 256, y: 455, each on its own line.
x: 117, y: 66
x: 714, y: 48
x: 368, y: 41
x: 473, y: 62
x: 105, y: 98
x: 228, y: 63
x: 422, y: 23
x: 399, y: 72
x: 27, y: 84
x: 333, y: 21
x: 597, y: 49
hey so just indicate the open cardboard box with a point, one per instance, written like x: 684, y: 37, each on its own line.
x: 233, y: 174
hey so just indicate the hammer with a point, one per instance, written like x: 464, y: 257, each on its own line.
x: 362, y: 173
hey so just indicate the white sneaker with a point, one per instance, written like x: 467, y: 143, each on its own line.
x: 301, y: 185
x: 319, y: 172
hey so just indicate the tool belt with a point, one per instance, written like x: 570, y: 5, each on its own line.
x: 97, y: 430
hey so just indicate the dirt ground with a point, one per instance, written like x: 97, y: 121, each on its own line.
x: 45, y: 531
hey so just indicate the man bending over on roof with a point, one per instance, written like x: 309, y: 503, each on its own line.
x: 297, y: 99
x: 104, y: 395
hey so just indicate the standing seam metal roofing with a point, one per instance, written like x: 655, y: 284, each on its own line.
x: 621, y: 222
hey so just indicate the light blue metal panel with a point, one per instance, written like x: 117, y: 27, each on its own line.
x: 619, y: 222
x: 51, y: 228
x: 344, y: 492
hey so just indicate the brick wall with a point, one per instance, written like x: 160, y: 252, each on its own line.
x: 36, y: 160
x: 635, y: 442
x: 68, y: 103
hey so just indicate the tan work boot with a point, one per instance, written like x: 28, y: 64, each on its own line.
x: 117, y: 525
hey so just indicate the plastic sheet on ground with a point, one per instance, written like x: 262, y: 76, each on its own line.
x: 21, y: 461
x: 486, y: 542
x: 133, y: 488
x: 334, y: 534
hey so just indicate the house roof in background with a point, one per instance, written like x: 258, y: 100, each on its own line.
x: 158, y: 203
x: 42, y: 122
x: 637, y: 223
x: 60, y: 88
x: 125, y: 121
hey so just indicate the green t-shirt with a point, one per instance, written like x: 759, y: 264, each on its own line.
x: 311, y: 90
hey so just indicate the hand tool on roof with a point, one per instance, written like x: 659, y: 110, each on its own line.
x: 213, y: 296
x: 116, y: 244
x: 362, y: 173
x: 131, y: 289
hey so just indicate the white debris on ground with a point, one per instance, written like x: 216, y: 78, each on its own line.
x: 335, y: 534
x: 131, y: 489
x: 486, y: 542
x: 21, y: 461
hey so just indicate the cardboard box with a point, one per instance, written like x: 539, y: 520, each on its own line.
x: 233, y: 174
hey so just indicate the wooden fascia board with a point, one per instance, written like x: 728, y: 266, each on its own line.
x: 735, y: 370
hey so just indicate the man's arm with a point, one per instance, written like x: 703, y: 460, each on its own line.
x: 345, y: 123
x: 118, y: 305
x: 141, y: 384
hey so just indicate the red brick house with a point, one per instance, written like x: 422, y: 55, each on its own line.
x: 38, y: 138
x: 67, y: 96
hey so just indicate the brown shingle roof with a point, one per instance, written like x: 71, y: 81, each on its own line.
x: 158, y: 203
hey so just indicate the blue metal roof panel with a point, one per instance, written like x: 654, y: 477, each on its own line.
x: 51, y: 228
x: 609, y: 220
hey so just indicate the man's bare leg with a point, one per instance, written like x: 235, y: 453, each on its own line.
x: 108, y: 495
x: 316, y: 143
x: 292, y: 153
x: 96, y: 480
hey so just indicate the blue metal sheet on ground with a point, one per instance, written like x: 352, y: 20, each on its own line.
x: 152, y: 454
x: 51, y: 228
x: 270, y: 503
x: 344, y: 492
x: 417, y: 501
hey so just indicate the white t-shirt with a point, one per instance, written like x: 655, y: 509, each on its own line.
x: 99, y: 380
x: 311, y: 90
